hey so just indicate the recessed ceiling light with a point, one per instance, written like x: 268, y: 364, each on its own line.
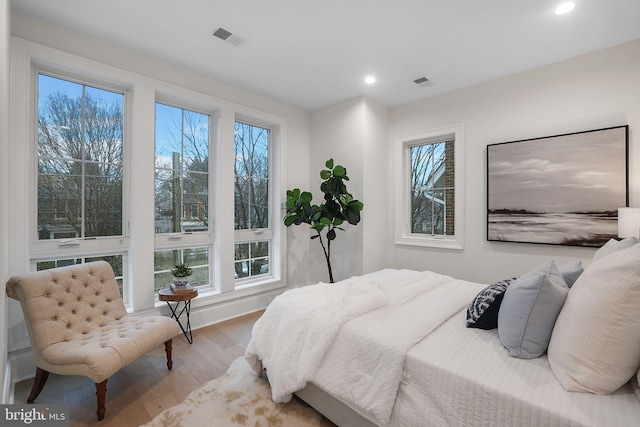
x: 369, y: 80
x: 565, y: 7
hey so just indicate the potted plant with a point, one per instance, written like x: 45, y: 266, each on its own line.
x: 338, y: 206
x: 181, y: 274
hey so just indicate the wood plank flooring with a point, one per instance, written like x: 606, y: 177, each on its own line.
x: 142, y: 390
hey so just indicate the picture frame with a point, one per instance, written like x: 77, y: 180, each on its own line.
x: 560, y: 190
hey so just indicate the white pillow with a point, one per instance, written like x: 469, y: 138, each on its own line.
x: 594, y: 345
x: 614, y: 245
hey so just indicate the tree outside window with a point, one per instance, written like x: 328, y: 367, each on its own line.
x: 182, y: 170
x: 432, y: 188
x: 80, y: 158
x: 251, y: 199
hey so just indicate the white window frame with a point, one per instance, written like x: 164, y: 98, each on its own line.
x: 65, y: 248
x: 196, y: 239
x: 138, y: 242
x: 403, y: 144
x: 272, y: 234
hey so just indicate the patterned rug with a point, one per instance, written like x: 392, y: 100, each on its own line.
x: 238, y: 398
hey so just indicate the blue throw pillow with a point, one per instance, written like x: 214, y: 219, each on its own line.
x: 529, y: 310
x: 571, y: 271
x: 482, y: 313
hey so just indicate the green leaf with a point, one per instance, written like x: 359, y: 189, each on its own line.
x: 289, y: 220
x: 339, y: 171
x: 331, y: 234
x: 318, y: 226
x: 306, y: 197
x: 295, y: 193
x: 325, y: 221
x: 325, y: 174
x: 329, y: 164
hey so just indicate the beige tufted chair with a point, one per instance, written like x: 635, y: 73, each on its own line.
x: 78, y: 325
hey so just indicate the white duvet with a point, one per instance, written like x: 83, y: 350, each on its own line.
x: 351, y: 338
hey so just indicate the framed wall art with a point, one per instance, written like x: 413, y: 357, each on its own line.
x: 561, y: 190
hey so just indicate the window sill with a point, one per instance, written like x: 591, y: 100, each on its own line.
x: 430, y: 242
x: 207, y: 296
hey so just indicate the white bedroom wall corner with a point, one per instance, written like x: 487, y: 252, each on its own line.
x: 5, y: 37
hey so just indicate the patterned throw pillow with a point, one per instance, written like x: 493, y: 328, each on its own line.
x: 482, y: 313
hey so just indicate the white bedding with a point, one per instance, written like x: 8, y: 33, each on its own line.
x: 464, y: 377
x: 364, y: 365
x: 418, y: 347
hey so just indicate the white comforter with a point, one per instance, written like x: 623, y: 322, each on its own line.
x: 351, y: 338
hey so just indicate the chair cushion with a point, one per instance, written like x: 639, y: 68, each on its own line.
x: 102, y: 351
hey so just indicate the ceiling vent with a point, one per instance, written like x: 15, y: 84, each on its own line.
x: 227, y: 36
x: 422, y: 81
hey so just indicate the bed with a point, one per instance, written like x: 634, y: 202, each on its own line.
x: 391, y: 348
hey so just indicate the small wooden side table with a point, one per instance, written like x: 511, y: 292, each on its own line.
x: 185, y: 297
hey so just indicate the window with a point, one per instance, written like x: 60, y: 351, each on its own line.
x: 251, y: 259
x: 80, y: 158
x: 252, y: 201
x: 182, y: 170
x: 430, y: 189
x: 181, y: 194
x: 196, y: 258
x: 79, y: 201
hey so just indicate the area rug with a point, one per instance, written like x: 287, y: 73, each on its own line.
x: 238, y: 398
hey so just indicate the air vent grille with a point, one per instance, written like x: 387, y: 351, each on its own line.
x: 422, y: 81
x: 228, y: 36
x: 222, y: 34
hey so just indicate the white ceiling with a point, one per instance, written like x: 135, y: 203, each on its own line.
x: 314, y: 54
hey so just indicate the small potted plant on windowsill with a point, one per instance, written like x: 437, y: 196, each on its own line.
x: 181, y: 274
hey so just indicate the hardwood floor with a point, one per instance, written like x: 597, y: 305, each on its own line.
x: 142, y: 390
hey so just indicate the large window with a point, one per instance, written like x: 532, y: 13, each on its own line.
x: 252, y: 201
x: 182, y: 170
x: 80, y: 209
x: 145, y: 174
x: 429, y: 207
x: 80, y: 173
x: 181, y: 193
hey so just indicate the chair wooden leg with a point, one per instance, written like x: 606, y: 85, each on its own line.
x: 167, y: 348
x: 101, y: 392
x: 38, y: 384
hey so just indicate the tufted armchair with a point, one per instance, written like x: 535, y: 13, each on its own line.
x: 78, y: 325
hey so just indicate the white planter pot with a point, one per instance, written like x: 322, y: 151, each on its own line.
x: 181, y: 281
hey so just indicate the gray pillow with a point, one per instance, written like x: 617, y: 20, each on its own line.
x: 529, y: 310
x: 571, y: 271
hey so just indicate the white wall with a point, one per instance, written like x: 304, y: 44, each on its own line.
x: 588, y: 92
x: 375, y: 192
x: 337, y: 133
x: 4, y: 162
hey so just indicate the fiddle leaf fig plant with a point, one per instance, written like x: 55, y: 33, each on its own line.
x: 327, y: 217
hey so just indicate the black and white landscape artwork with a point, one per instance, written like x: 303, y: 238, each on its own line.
x: 562, y: 190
